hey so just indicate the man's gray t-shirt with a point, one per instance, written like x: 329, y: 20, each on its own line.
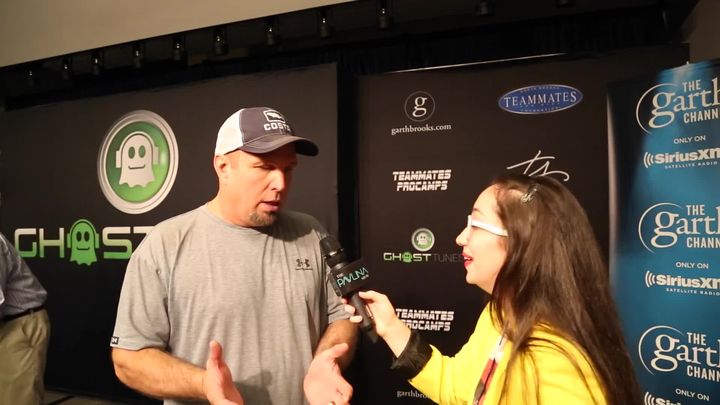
x: 261, y: 292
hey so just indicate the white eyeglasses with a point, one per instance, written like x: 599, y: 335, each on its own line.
x: 495, y: 230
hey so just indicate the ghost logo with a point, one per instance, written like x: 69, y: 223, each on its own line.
x: 138, y: 162
x: 423, y: 239
x: 83, y: 241
x: 135, y: 158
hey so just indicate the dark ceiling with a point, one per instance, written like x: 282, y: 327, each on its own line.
x: 355, y: 27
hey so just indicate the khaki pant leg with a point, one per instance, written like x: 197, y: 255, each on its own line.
x: 23, y: 350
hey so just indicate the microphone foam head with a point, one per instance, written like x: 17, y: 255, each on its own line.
x: 331, y: 250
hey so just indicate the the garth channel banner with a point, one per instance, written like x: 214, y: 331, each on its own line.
x: 665, y: 248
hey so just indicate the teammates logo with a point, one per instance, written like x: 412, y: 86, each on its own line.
x: 540, y: 99
x: 680, y: 160
x: 664, y: 349
x: 419, y: 106
x: 138, y: 161
x: 421, y: 180
x: 665, y: 224
x: 422, y: 239
x: 426, y: 319
x: 83, y: 240
x: 696, y: 100
x: 684, y: 285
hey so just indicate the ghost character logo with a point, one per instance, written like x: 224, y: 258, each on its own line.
x: 135, y: 158
x: 423, y: 239
x: 138, y: 162
x: 83, y: 240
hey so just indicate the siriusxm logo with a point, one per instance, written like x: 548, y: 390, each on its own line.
x: 659, y: 105
x: 540, y: 99
x: 664, y: 349
x: 700, y: 155
x: 664, y: 224
x: 83, y: 240
x: 649, y: 399
x: 667, y: 280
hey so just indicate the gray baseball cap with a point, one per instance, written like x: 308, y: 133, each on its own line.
x: 259, y: 130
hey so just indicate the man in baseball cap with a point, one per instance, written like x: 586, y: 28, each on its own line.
x: 240, y: 271
x: 259, y: 130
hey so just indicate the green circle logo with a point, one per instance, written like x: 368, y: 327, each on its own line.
x: 423, y: 239
x: 138, y: 162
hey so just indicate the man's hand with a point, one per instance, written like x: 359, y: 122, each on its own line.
x: 324, y: 384
x: 217, y: 382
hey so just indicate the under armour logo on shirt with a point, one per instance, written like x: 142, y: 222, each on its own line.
x: 302, y: 264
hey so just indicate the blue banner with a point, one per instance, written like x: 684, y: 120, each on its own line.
x: 665, y: 229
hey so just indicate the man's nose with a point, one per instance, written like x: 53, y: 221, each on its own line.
x: 279, y: 180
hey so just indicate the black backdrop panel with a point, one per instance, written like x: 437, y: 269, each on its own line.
x: 455, y: 139
x: 49, y: 180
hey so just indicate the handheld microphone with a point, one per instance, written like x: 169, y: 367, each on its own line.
x: 347, y: 279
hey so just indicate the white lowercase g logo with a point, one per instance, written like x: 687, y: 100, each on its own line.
x: 138, y: 161
x: 419, y: 106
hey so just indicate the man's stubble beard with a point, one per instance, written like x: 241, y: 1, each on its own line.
x: 260, y: 220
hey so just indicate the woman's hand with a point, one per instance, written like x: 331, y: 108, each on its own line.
x: 387, y: 325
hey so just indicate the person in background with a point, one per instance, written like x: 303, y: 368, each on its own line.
x: 24, y: 330
x: 241, y: 271
x: 550, y: 333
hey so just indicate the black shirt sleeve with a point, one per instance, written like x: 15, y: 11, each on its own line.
x: 413, y: 358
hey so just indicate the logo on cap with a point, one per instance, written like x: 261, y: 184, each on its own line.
x: 275, y: 122
x: 273, y: 116
x: 138, y: 162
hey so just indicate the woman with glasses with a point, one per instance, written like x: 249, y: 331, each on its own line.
x: 550, y: 333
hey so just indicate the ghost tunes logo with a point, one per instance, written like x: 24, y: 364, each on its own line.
x: 86, y: 243
x: 83, y: 241
x: 138, y: 162
x: 422, y: 240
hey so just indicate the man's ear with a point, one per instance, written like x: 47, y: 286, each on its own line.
x: 221, y: 163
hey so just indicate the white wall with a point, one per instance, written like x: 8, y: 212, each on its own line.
x: 702, y: 31
x: 38, y: 29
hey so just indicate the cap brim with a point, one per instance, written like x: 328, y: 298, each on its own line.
x: 269, y: 143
